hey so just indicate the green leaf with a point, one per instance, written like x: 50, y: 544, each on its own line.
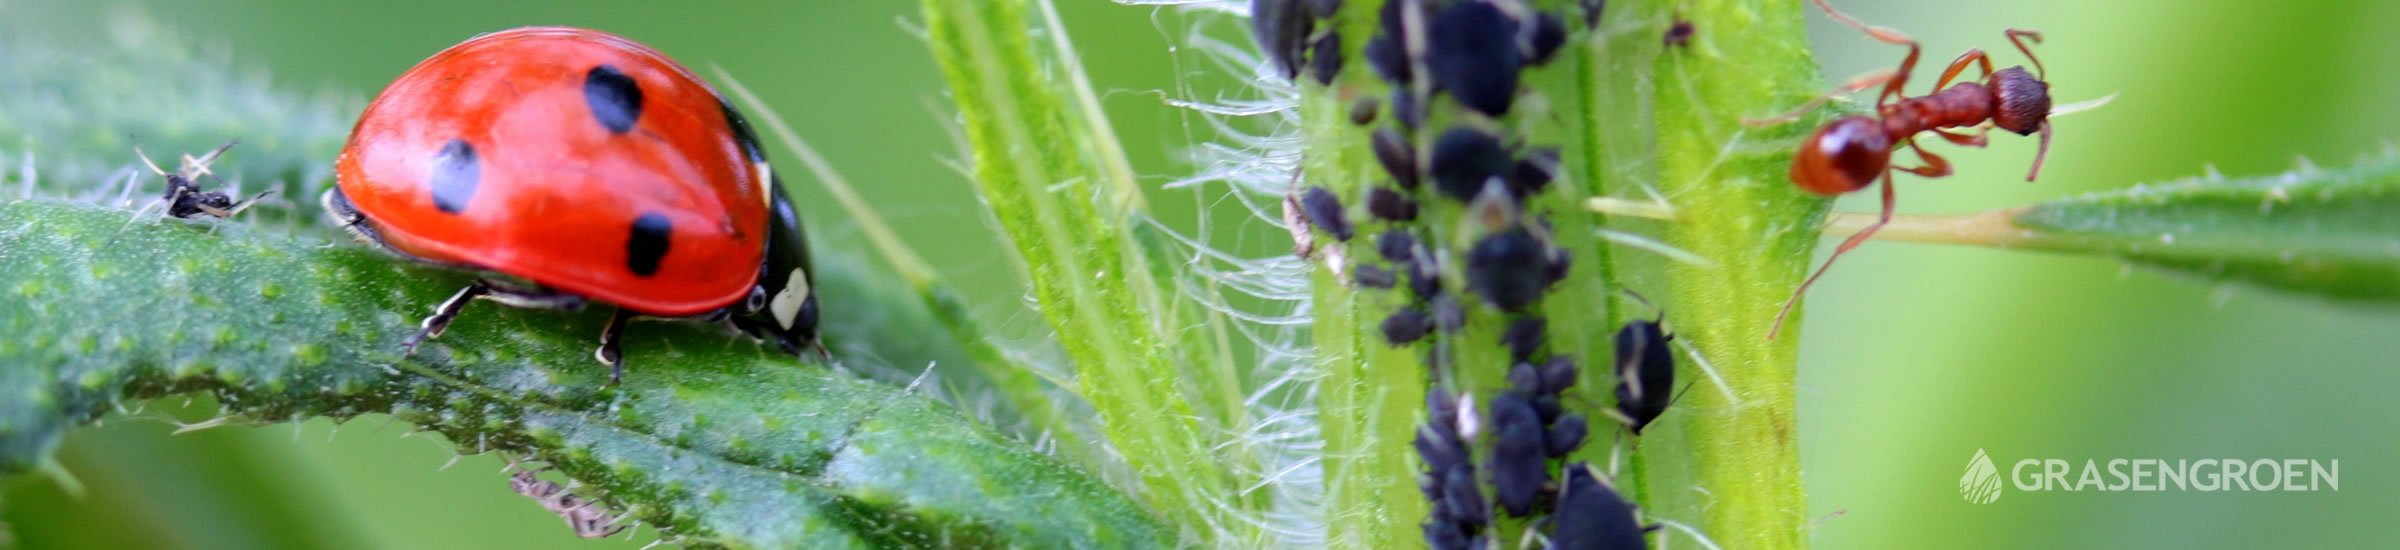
x: 712, y: 439
x: 2332, y: 233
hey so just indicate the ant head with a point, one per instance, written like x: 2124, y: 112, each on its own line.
x: 2024, y: 101
x: 1846, y: 155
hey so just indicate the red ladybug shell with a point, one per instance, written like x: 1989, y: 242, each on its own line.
x: 572, y: 158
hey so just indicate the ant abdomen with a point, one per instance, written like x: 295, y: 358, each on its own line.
x: 2023, y: 99
x: 1846, y: 155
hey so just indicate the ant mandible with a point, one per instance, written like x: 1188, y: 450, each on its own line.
x: 1851, y: 152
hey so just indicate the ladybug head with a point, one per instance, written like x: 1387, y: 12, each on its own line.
x: 783, y: 307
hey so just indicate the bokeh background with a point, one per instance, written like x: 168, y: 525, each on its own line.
x: 1914, y: 356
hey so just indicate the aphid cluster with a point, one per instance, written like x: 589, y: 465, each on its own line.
x: 1483, y: 243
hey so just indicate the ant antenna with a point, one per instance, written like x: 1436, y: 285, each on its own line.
x: 2020, y: 36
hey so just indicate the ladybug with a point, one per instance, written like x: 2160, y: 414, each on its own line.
x: 568, y: 166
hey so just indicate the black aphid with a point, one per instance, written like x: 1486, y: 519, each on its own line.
x: 1566, y: 434
x: 1373, y: 277
x: 1424, y: 280
x: 1325, y: 57
x: 1471, y: 52
x: 185, y: 198
x: 1447, y: 316
x: 1396, y: 246
x: 1389, y: 58
x: 1407, y: 109
x: 1558, y: 374
x: 1590, y: 515
x: 1519, y: 458
x: 1465, y: 159
x: 1679, y: 34
x: 1523, y: 338
x: 1534, y: 172
x: 1324, y: 210
x: 1282, y: 28
x: 1324, y: 9
x: 1549, y: 34
x: 1388, y: 205
x: 1508, y: 269
x: 1406, y: 326
x: 1591, y: 12
x: 1362, y: 112
x: 1645, y: 373
x: 1397, y: 157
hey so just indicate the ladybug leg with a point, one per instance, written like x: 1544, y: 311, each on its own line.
x: 442, y: 315
x: 609, y: 353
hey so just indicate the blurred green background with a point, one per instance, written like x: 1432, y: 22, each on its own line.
x: 1913, y: 357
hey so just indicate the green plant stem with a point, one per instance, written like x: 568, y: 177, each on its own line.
x: 1040, y: 160
x: 1747, y: 57
x: 713, y: 440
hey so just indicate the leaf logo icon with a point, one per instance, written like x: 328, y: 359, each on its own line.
x: 1981, y: 485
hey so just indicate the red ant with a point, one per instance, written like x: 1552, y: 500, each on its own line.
x: 1851, y: 152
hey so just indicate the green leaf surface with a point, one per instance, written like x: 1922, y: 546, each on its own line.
x: 710, y: 438
x: 2333, y: 233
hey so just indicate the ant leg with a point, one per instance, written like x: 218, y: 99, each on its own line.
x: 2041, y: 154
x: 1861, y: 82
x: 1935, y: 166
x: 2020, y: 37
x: 1892, y: 89
x: 1960, y: 65
x: 1853, y: 242
x: 1976, y: 139
x: 609, y: 353
x: 432, y: 326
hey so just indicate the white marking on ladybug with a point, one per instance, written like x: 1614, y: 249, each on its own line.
x: 786, y: 304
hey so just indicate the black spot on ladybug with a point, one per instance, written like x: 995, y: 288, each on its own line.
x: 1397, y: 157
x: 1390, y: 205
x: 1549, y: 34
x: 456, y: 173
x: 1508, y: 269
x: 1590, y: 515
x: 1645, y: 373
x: 742, y: 134
x: 1523, y: 338
x: 1519, y: 453
x: 1464, y: 159
x: 1325, y: 211
x: 1471, y: 52
x: 1325, y: 57
x: 648, y: 244
x: 615, y: 99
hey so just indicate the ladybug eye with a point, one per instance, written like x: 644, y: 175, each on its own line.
x: 758, y: 299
